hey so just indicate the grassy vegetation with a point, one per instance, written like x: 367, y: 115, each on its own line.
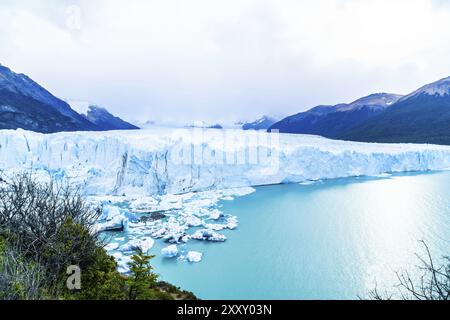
x: 45, y: 227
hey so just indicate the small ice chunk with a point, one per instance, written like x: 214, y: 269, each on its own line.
x: 172, y: 231
x: 194, y: 256
x: 143, y: 204
x: 111, y: 246
x: 145, y: 244
x: 232, y: 222
x: 215, y: 214
x: 215, y: 226
x: 193, y: 221
x: 170, y: 251
x: 117, y: 255
x: 118, y: 223
x: 109, y: 213
x: 123, y: 264
x: 208, y: 235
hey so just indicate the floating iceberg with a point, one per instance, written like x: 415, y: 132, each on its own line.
x: 172, y: 231
x: 109, y: 213
x: 193, y: 221
x: 170, y: 251
x: 113, y: 220
x: 208, y: 235
x: 112, y: 246
x: 118, y: 223
x: 144, y: 244
x: 215, y: 215
x: 194, y: 256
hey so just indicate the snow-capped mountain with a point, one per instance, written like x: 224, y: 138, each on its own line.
x: 439, y: 88
x: 263, y: 123
x: 331, y: 121
x: 421, y: 117
x: 377, y: 101
x: 25, y: 104
x: 106, y: 121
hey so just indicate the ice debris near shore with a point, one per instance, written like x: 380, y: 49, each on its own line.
x: 209, y: 235
x: 172, y: 219
x: 170, y: 251
x: 112, y: 220
x: 144, y: 244
x: 194, y: 256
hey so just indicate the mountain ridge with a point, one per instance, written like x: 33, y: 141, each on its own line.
x: 262, y: 123
x: 422, y: 116
x: 331, y: 120
x: 21, y: 85
x: 104, y: 120
x: 27, y: 105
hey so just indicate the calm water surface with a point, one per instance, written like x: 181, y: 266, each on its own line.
x: 330, y: 240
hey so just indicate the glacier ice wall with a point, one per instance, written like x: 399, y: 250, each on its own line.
x: 148, y: 161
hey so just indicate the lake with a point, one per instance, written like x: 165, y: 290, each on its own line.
x: 335, y: 239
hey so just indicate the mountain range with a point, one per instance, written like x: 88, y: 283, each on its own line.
x: 422, y: 116
x: 261, y: 124
x: 106, y: 121
x: 331, y: 121
x: 27, y: 105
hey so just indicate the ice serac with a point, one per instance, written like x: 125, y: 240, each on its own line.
x: 142, y: 162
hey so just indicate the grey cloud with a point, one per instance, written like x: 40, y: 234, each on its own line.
x: 224, y: 60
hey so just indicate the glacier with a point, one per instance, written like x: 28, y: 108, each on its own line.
x: 123, y: 162
x: 168, y: 184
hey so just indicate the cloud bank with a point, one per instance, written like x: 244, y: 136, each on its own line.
x: 224, y: 61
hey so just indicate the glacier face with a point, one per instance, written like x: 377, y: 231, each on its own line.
x: 166, y: 161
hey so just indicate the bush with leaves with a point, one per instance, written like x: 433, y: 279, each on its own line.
x: 100, y: 280
x: 19, y: 279
x: 142, y: 281
x: 49, y: 223
x: 47, y: 226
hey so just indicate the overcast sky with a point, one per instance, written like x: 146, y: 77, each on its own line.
x: 224, y: 60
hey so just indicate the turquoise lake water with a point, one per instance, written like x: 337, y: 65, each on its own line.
x: 330, y: 240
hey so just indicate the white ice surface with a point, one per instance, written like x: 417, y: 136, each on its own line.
x: 144, y: 244
x: 142, y: 162
x: 194, y: 256
x: 170, y: 251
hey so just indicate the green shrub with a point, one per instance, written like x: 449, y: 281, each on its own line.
x: 142, y: 281
x: 100, y: 280
x: 19, y: 278
x: 45, y: 227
